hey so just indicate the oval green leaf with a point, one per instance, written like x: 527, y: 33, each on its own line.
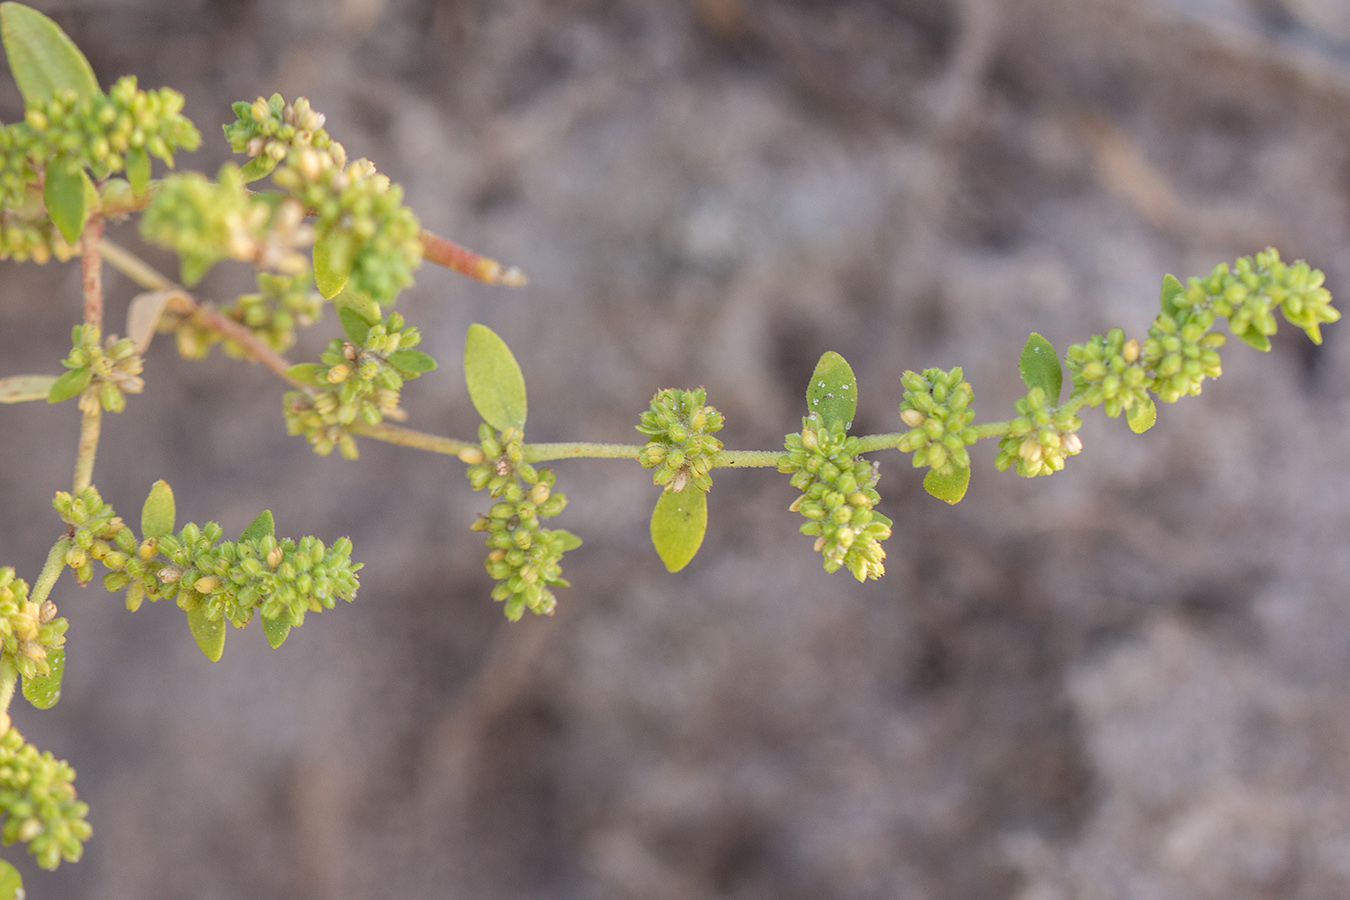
x: 1254, y: 338
x: 411, y: 362
x: 209, y: 633
x: 678, y: 524
x: 332, y: 262
x: 276, y: 630
x: 259, y: 166
x: 64, y: 190
x: 833, y: 392
x: 71, y: 384
x: 361, y: 305
x: 1141, y: 416
x: 569, y: 541
x: 1039, y: 366
x: 42, y: 57
x: 1172, y: 288
x: 158, y: 513
x: 496, y: 385
x: 313, y: 374
x: 22, y: 388
x: 354, y: 325
x: 44, y: 690
x: 11, y: 882
x: 260, y: 527
x: 949, y: 487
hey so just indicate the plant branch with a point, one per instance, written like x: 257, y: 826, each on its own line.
x: 91, y: 423
x: 411, y: 437
x: 444, y: 252
x: 91, y: 271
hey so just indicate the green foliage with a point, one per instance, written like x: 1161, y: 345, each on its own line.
x: 330, y: 230
x: 496, y: 385
x: 679, y: 522
x: 832, y: 393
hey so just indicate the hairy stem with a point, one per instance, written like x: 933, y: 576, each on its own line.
x: 91, y: 422
x: 135, y: 268
x: 91, y: 271
x: 411, y: 437
x: 51, y: 570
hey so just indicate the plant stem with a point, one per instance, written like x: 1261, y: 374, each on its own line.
x: 135, y: 268
x: 411, y: 437
x: 91, y: 271
x: 91, y: 422
x: 535, y: 453
x: 51, y: 570
x: 443, y: 252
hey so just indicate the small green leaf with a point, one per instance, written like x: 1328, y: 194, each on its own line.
x: 354, y: 325
x: 135, y: 595
x: 11, y: 882
x: 833, y: 392
x: 22, y: 388
x: 332, y: 262
x: 411, y: 362
x: 138, y: 169
x: 259, y: 166
x: 496, y: 385
x: 1039, y: 366
x: 64, y: 190
x: 1256, y: 339
x: 158, y: 513
x: 276, y: 630
x: 1142, y: 416
x: 359, y: 303
x: 569, y: 540
x: 1172, y: 288
x: 678, y: 524
x: 260, y: 527
x: 950, y: 487
x: 44, y: 690
x: 209, y: 633
x: 71, y: 384
x: 309, y: 373
x: 42, y: 57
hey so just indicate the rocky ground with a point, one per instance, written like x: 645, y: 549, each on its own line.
x: 1126, y: 682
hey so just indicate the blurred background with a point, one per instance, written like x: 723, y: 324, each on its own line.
x: 1126, y: 681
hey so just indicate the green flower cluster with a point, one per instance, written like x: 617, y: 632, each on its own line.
x: 206, y: 221
x: 96, y: 530
x: 1040, y: 438
x: 103, y: 133
x: 936, y: 407
x: 37, y: 798
x: 29, y: 631
x: 267, y: 130
x: 838, y: 496
x: 523, y: 557
x: 280, y: 579
x: 115, y: 369
x: 355, y: 381
x: 1182, y: 352
x: 106, y: 133
x: 1109, y: 371
x: 363, y: 226
x: 680, y: 445
x: 1248, y: 293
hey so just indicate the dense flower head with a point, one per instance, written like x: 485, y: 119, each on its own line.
x: 205, y: 221
x: 680, y: 445
x: 112, y: 368
x: 29, y: 631
x: 355, y: 382
x: 838, y: 496
x: 1109, y: 371
x: 38, y: 801
x: 523, y: 557
x: 1040, y: 438
x: 936, y: 407
x: 1182, y: 351
x: 1248, y: 294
